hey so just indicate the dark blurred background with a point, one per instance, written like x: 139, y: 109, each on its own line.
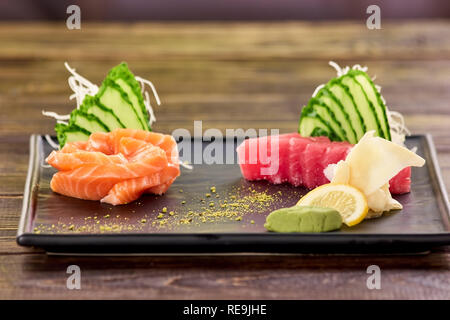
x: 127, y: 10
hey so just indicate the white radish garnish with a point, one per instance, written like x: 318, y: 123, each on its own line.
x: 147, y: 104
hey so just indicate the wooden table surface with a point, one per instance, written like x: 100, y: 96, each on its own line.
x: 230, y: 75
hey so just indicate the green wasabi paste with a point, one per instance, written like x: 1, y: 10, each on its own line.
x: 303, y: 219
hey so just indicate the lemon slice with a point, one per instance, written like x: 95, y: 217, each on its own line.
x: 347, y: 200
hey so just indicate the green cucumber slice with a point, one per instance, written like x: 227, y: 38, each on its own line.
x: 365, y: 107
x: 375, y: 98
x: 343, y: 95
x: 114, y: 98
x: 91, y: 105
x: 123, y: 77
x: 86, y: 121
x: 312, y: 125
x: 328, y: 98
x: 327, y: 115
x: 70, y: 133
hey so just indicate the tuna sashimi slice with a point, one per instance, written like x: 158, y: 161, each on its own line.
x: 297, y: 148
x: 401, y: 183
x: 312, y: 164
x: 258, y: 158
x: 276, y: 156
x: 301, y: 161
x: 334, y: 153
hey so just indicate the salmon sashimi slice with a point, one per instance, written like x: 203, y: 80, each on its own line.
x: 74, y: 146
x: 109, y: 143
x: 165, y: 142
x: 101, y: 142
x: 144, y: 158
x: 162, y: 188
x: 68, y: 161
x: 136, y: 158
x: 129, y: 190
x: 89, y: 182
x: 116, y: 167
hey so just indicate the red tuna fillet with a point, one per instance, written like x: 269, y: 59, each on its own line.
x: 299, y: 173
x: 300, y: 161
x: 265, y: 153
x: 401, y: 183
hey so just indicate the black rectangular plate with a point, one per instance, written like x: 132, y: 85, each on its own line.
x: 61, y: 224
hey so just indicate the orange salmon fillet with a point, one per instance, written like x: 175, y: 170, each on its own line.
x: 116, y: 167
x: 131, y: 189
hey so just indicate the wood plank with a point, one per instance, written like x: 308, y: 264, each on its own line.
x: 238, y: 40
x: 190, y: 81
x: 238, y: 90
x: 231, y: 277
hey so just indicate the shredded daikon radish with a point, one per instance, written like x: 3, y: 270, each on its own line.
x: 397, y: 126
x: 55, y: 115
x: 317, y: 90
x: 80, y: 86
x: 396, y: 122
x: 337, y: 67
x: 59, y: 118
x: 341, y: 72
x: 186, y: 165
x: 358, y: 67
x: 147, y: 104
x: 149, y: 108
